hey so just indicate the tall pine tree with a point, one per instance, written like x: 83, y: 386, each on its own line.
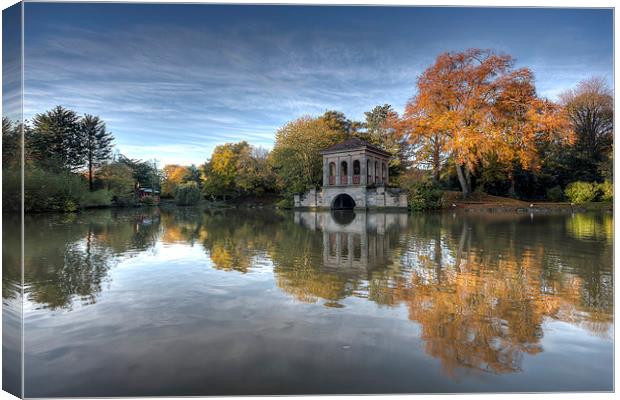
x: 96, y: 144
x: 55, y: 140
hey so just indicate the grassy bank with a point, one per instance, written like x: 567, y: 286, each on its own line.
x: 482, y: 202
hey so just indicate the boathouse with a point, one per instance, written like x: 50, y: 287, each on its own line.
x: 355, y: 175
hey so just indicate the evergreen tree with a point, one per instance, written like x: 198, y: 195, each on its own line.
x: 96, y: 144
x: 55, y: 139
x: 193, y: 174
x: 380, y: 131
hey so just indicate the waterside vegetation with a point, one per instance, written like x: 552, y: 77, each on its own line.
x: 475, y: 125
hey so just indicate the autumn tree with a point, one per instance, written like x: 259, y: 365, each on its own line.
x: 173, y: 176
x: 221, y: 170
x: 295, y: 155
x: 338, y: 122
x: 115, y: 177
x: 237, y: 169
x: 96, y: 144
x: 474, y: 103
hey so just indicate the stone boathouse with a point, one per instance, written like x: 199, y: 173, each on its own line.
x: 355, y: 176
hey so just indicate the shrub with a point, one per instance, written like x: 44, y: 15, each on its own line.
x: 424, y: 195
x: 606, y: 191
x: 125, y: 200
x: 148, y: 201
x: 11, y: 189
x: 555, y: 193
x: 99, y: 198
x: 187, y: 194
x: 53, y: 191
x: 287, y: 202
x: 581, y: 192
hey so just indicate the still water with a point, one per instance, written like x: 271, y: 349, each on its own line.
x: 192, y: 302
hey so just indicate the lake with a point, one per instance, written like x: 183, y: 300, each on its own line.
x: 184, y: 301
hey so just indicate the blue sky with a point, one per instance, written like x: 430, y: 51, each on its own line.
x: 172, y: 81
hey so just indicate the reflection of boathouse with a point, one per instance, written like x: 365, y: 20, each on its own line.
x: 357, y: 240
x: 355, y: 175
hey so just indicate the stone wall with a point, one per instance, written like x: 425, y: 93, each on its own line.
x: 379, y: 197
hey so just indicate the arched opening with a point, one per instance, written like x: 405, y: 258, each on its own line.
x: 332, y: 173
x: 368, y: 172
x: 356, y: 172
x: 344, y: 173
x: 343, y: 202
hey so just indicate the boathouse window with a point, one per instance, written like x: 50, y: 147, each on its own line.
x: 356, y: 172
x: 344, y: 172
x: 332, y: 173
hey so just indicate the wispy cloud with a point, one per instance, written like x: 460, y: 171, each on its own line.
x: 173, y: 91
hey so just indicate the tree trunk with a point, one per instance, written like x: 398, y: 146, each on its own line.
x: 436, y: 164
x: 90, y: 175
x: 511, y: 191
x: 464, y: 181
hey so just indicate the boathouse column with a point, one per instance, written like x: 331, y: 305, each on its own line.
x: 349, y: 171
x: 337, y: 171
x: 363, y: 171
x: 325, y: 171
x: 387, y: 172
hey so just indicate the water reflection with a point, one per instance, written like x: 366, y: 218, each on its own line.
x: 68, y: 257
x: 482, y: 289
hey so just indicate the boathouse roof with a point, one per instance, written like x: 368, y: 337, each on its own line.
x: 354, y: 144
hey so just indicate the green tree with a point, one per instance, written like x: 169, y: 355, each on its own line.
x: 381, y: 131
x: 144, y: 173
x: 55, y: 140
x: 97, y: 144
x: 11, y: 142
x: 192, y: 174
x: 295, y: 155
x: 187, y: 194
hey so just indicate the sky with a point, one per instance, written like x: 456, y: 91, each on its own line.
x: 172, y: 81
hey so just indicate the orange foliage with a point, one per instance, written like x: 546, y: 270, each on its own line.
x: 472, y: 104
x: 173, y: 177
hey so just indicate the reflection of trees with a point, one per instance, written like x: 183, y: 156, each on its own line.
x: 11, y: 257
x: 67, y: 257
x: 182, y: 225
x: 234, y: 239
x: 481, y: 288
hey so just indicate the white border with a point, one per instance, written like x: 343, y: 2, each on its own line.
x: 472, y: 3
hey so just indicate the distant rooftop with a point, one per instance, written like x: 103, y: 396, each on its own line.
x: 354, y: 144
